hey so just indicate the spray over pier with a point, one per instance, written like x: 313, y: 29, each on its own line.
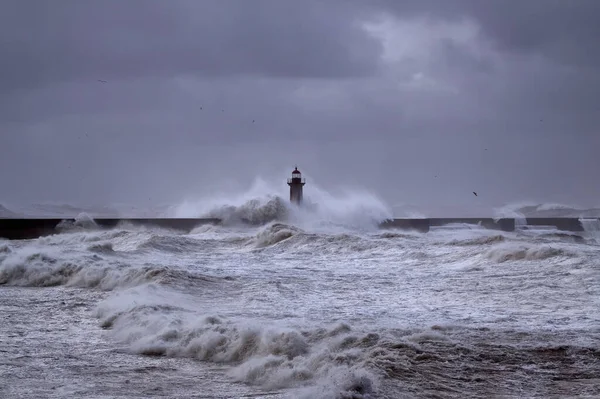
x: 31, y: 228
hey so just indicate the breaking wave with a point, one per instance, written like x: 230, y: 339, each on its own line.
x: 45, y: 270
x: 257, y: 211
x: 331, y: 361
x: 508, y: 253
x: 591, y: 227
x: 82, y: 221
x: 32, y: 267
x: 264, y: 203
x: 485, y: 240
x: 274, y: 234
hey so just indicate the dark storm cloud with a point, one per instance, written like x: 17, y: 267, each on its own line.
x: 564, y: 31
x: 45, y: 41
x: 542, y: 59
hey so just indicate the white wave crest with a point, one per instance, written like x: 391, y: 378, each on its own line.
x: 591, y: 227
x: 274, y: 234
x: 511, y: 252
x: 81, y: 222
x: 265, y: 202
x: 31, y: 267
x: 325, y: 362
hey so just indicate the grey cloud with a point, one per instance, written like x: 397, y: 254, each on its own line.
x: 533, y: 62
x: 564, y: 31
x: 45, y: 41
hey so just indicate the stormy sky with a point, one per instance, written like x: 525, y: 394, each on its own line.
x: 420, y: 102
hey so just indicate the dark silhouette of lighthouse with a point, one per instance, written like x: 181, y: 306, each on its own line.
x: 296, y: 183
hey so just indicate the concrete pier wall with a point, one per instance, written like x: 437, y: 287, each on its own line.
x: 420, y: 225
x: 424, y: 225
x: 488, y: 223
x: 565, y: 224
x: 20, y: 229
x: 15, y: 229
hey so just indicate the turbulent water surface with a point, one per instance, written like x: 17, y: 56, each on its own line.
x: 307, y: 310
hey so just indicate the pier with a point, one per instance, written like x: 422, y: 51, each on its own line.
x: 18, y: 229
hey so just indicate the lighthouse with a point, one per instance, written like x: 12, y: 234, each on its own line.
x: 296, y: 183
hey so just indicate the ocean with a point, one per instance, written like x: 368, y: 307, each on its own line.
x: 300, y: 305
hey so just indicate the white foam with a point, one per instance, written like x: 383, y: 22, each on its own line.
x: 325, y: 362
x: 34, y: 266
x: 591, y: 227
x: 515, y: 252
x: 513, y: 211
x: 265, y: 201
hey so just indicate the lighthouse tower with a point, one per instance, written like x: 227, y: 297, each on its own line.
x: 296, y: 183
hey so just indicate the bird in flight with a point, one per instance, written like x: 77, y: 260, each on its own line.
x: 475, y: 193
x: 102, y: 81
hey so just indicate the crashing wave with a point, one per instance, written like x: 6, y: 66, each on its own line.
x: 507, y: 253
x: 323, y: 362
x: 254, y: 212
x: 266, y: 202
x: 82, y: 221
x: 274, y: 234
x: 30, y: 268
